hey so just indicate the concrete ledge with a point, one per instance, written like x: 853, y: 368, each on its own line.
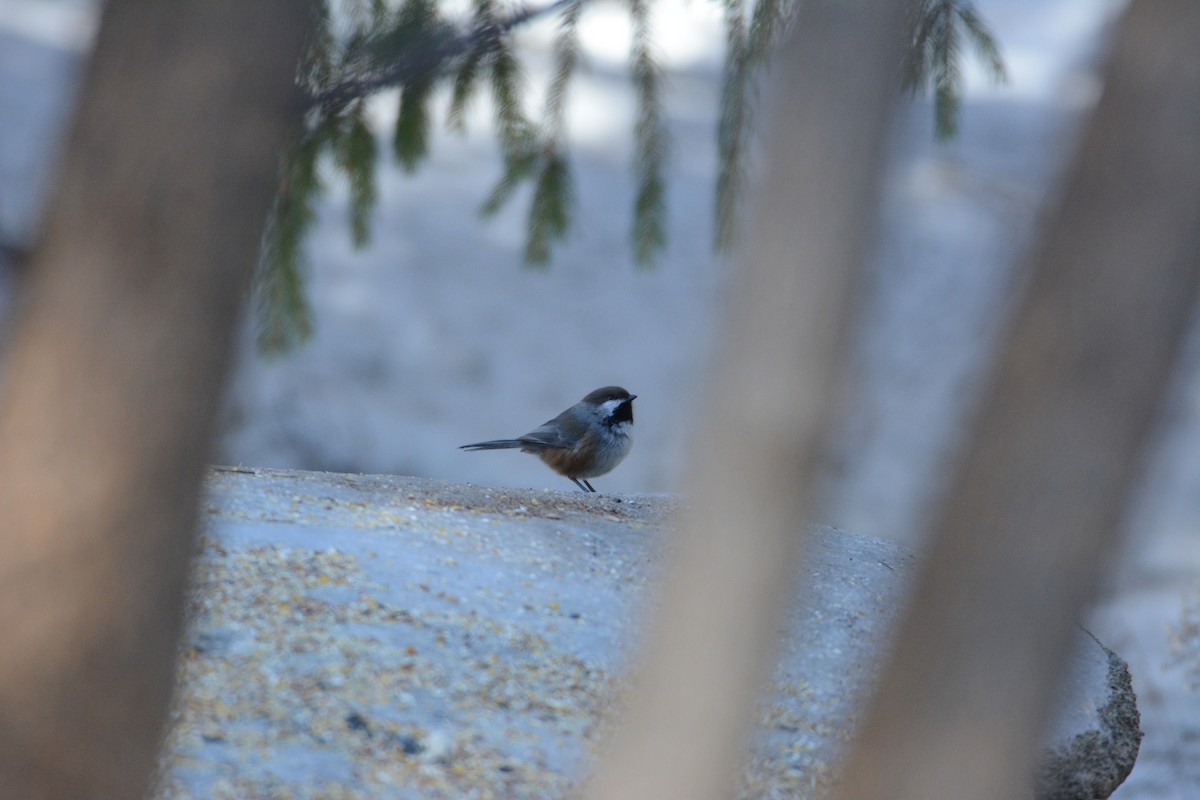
x: 372, y: 636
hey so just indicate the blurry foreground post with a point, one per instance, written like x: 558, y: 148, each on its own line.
x: 1020, y: 539
x: 114, y: 373
x: 708, y: 650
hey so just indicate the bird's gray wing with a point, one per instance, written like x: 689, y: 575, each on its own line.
x: 546, y: 436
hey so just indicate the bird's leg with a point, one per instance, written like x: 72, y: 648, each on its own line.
x: 589, y: 485
x: 581, y: 485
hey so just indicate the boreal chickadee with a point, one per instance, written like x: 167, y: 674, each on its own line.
x: 588, y: 439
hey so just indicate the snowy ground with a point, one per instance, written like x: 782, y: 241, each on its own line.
x: 436, y: 335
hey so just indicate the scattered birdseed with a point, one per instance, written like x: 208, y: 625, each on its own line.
x: 355, y: 637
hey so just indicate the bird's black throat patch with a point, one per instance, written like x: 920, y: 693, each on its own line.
x: 623, y: 413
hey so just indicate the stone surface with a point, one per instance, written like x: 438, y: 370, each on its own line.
x: 1097, y: 732
x: 369, y: 636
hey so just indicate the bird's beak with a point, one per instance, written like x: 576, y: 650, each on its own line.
x: 633, y: 397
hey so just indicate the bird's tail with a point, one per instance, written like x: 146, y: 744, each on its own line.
x: 495, y: 444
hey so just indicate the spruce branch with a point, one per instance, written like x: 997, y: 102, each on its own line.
x: 518, y: 167
x: 566, y: 58
x: 947, y: 77
x: 466, y: 82
x: 747, y: 52
x: 651, y: 141
x: 466, y: 79
x: 282, y: 306
x: 357, y: 155
x: 410, y: 141
x: 731, y: 128
x: 767, y: 24
x: 316, y: 61
x: 984, y: 42
x: 514, y: 129
x: 426, y: 56
x: 934, y: 56
x: 414, y: 48
x: 553, y: 194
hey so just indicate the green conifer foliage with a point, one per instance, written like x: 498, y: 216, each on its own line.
x: 649, y: 234
x: 361, y: 48
x: 934, y: 58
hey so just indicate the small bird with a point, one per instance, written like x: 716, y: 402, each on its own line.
x: 588, y: 439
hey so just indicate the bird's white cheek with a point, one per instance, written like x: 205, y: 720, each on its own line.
x: 609, y: 407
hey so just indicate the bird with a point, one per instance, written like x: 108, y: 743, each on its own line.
x: 587, y: 440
